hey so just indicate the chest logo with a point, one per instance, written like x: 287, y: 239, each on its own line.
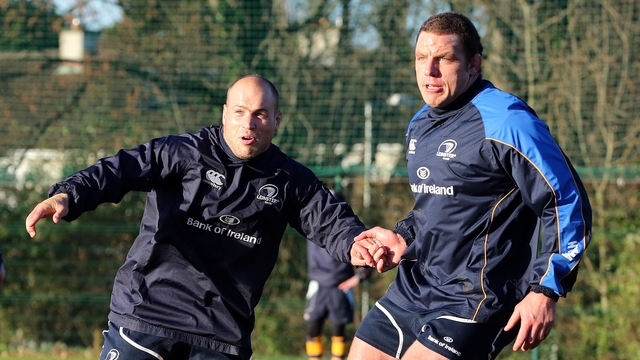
x: 268, y: 194
x: 446, y: 149
x: 423, y: 172
x: 229, y: 219
x: 214, y: 179
x: 412, y: 146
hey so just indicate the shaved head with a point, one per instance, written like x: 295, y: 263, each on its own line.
x: 259, y: 80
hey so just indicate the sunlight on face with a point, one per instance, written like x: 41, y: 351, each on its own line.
x: 442, y: 71
x: 250, y: 118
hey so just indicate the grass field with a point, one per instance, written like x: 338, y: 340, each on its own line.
x: 78, y: 355
x: 51, y: 357
x: 83, y: 357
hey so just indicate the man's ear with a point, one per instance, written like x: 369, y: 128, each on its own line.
x: 278, y: 119
x: 476, y: 64
x: 224, y: 113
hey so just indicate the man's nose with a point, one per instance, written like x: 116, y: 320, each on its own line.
x: 249, y: 121
x: 431, y: 67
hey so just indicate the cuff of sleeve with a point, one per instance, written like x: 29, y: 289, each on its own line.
x: 408, y: 239
x: 62, y: 188
x: 548, y: 292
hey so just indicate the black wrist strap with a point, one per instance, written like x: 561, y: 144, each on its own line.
x: 548, y: 292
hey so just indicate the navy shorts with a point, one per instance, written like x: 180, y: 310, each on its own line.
x: 124, y: 344
x: 392, y: 330
x: 329, y: 302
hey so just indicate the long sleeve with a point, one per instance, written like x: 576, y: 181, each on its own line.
x: 550, y: 186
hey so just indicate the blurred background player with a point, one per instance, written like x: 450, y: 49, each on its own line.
x: 331, y: 296
x: 2, y: 272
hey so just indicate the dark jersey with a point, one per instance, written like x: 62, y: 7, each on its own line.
x: 486, y: 175
x: 324, y: 269
x: 210, y: 232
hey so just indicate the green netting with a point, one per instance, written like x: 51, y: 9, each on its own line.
x: 164, y: 68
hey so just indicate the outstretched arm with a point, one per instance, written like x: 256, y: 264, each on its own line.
x: 55, y: 207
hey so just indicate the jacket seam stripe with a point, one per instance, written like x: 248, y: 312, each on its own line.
x: 486, y: 241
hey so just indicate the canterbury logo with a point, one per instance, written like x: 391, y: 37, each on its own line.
x: 412, y: 146
x: 214, y: 179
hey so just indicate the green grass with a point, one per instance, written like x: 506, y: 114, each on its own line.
x: 89, y: 355
x: 51, y: 357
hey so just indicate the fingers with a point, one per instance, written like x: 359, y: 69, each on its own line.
x: 56, y: 207
x: 381, y: 259
x: 385, y: 246
x: 361, y: 254
x: 532, y: 332
x: 368, y: 234
x: 35, y: 215
x: 519, y: 343
x: 526, y: 338
x: 536, y: 315
x: 364, y: 235
x: 368, y: 252
x: 380, y: 253
x: 513, y: 321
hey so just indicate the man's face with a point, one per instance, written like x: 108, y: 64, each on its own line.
x: 249, y: 118
x: 442, y: 71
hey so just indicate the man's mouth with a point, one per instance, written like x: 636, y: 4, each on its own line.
x: 247, y: 139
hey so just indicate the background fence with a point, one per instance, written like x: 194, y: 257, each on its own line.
x: 81, y: 79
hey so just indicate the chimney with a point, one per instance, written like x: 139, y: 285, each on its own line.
x: 71, y: 49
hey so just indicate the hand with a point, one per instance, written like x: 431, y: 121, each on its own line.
x: 393, y: 243
x: 349, y: 283
x: 367, y: 252
x: 536, y: 313
x: 56, y: 206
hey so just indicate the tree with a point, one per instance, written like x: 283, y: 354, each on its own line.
x: 28, y: 25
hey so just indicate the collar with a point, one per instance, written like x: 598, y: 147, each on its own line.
x: 463, y: 99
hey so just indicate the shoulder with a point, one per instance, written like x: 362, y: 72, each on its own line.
x: 505, y: 116
x: 284, y: 162
x: 302, y: 182
x: 418, y: 115
x: 495, y: 104
x: 188, y: 139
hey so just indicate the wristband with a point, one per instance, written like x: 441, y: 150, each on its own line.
x: 548, y: 292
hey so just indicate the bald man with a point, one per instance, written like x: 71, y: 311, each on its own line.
x: 218, y: 202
